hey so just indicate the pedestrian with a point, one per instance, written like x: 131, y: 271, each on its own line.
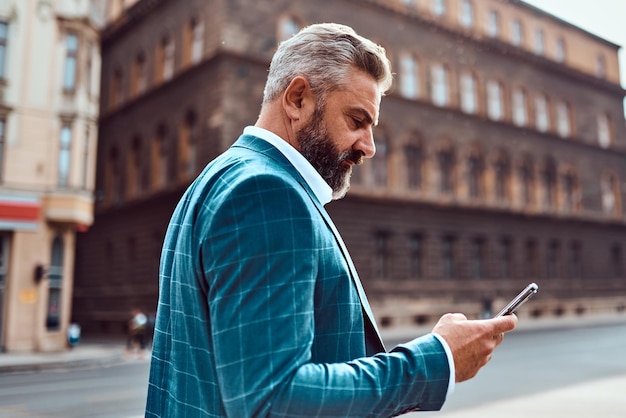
x: 261, y: 311
x: 137, y: 332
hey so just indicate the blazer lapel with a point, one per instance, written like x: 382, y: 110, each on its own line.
x: 374, y: 341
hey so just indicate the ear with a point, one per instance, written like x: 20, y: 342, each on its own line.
x: 298, y: 99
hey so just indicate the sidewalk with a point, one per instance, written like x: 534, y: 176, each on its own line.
x: 104, y: 352
x: 88, y: 353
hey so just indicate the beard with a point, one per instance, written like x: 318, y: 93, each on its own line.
x: 320, y: 150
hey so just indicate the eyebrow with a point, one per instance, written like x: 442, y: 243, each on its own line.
x: 364, y: 114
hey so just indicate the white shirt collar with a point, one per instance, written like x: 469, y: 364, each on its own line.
x: 322, y: 190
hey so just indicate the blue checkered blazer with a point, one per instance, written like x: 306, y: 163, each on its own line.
x: 258, y: 312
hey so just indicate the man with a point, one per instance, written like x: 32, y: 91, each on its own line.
x: 261, y: 312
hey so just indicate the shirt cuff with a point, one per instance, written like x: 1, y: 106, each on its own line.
x: 446, y: 347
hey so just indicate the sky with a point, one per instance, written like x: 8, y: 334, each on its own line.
x: 604, y: 18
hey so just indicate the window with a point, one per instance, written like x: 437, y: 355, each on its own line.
x: 409, y: 76
x: 506, y: 258
x: 140, y: 77
x: 4, y: 40
x: 381, y: 255
x: 197, y: 41
x: 133, y: 169
x: 520, y: 107
x: 287, y: 27
x: 478, y: 258
x: 159, y: 159
x: 165, y: 60
x: 560, y: 50
x: 542, y: 118
x: 563, y: 123
x: 55, y: 285
x: 570, y: 191
x: 554, y: 259
x: 446, y: 172
x: 617, y: 265
x: 188, y: 143
x: 609, y: 188
x: 517, y: 33
x: 2, y: 147
x: 601, y: 66
x: 71, y: 52
x: 526, y: 183
x: 439, y: 85
x: 89, y: 70
x: 549, y: 183
x: 469, y: 102
x: 605, y: 131
x: 86, y: 158
x: 439, y: 7
x: 448, y: 258
x: 495, y: 103
x: 117, y: 88
x: 380, y: 160
x: 531, y: 259
x: 574, y: 264
x: 466, y: 18
x: 114, y: 191
x: 476, y: 176
x: 414, y: 163
x: 539, y: 42
x: 65, y: 149
x: 502, y: 176
x: 493, y: 23
x: 416, y: 247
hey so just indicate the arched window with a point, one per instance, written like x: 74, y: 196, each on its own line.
x: 563, y: 119
x: 605, y: 130
x: 440, y: 90
x: 571, y: 194
x: 446, y: 163
x: 409, y: 76
x: 188, y: 143
x: 609, y: 187
x: 495, y: 100
x: 414, y: 155
x: 549, y: 183
x: 139, y: 81
x: 542, y: 117
x: 527, y: 182
x: 55, y: 285
x: 520, y: 107
x: 469, y: 96
x: 476, y: 174
x: 159, y: 158
x: 502, y: 178
x: 466, y: 16
x: 193, y: 42
x: 134, y: 168
x: 113, y: 189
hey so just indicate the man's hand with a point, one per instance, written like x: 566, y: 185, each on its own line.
x: 472, y: 342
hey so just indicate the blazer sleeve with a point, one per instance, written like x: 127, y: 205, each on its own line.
x: 259, y: 255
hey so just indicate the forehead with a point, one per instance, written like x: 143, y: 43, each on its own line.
x: 360, y: 93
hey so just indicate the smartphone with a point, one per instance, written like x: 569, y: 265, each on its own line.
x: 519, y: 300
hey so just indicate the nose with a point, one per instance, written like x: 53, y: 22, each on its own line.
x: 366, y: 144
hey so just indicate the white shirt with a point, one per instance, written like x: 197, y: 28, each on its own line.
x: 324, y: 194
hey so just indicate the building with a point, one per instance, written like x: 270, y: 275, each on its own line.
x: 500, y: 151
x: 49, y: 88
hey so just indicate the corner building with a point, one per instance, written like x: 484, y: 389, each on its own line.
x: 500, y: 151
x: 49, y: 88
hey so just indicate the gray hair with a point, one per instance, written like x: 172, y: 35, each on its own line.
x: 325, y: 54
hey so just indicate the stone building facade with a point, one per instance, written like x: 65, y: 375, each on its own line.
x: 49, y: 99
x: 500, y: 151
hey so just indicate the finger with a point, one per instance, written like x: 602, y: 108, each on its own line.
x: 504, y: 323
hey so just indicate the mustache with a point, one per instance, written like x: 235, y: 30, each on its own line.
x: 354, y: 156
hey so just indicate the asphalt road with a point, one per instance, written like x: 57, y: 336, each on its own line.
x: 527, y: 364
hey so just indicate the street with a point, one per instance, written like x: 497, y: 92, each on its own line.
x: 528, y: 363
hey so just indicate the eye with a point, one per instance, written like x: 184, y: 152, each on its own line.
x: 358, y: 123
